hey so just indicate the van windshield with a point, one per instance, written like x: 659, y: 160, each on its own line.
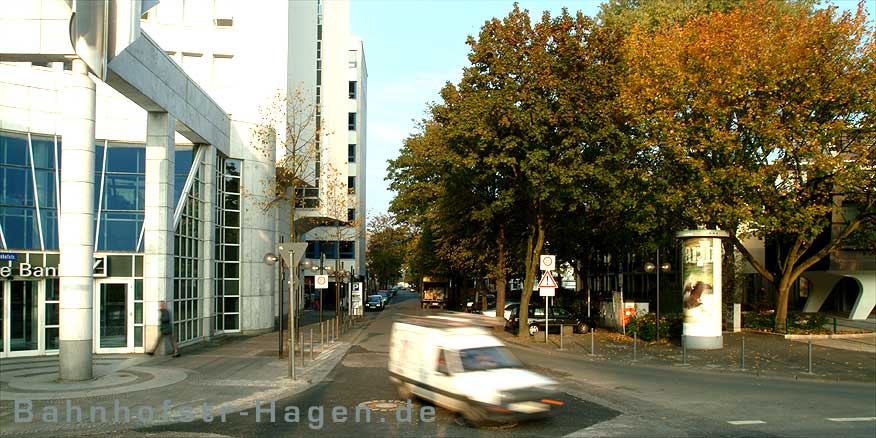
x: 487, y: 358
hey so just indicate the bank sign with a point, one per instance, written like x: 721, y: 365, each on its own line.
x: 26, y: 270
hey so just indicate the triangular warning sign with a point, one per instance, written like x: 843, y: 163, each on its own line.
x: 547, y: 280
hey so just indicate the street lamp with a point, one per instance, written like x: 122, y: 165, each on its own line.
x: 289, y: 254
x: 649, y: 268
x: 269, y: 259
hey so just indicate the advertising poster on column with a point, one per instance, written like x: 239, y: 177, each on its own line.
x: 701, y: 279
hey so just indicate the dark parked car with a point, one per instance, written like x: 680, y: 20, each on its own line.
x: 385, y: 295
x: 558, y: 316
x: 374, y: 302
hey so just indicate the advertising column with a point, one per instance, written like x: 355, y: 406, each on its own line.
x: 701, y: 277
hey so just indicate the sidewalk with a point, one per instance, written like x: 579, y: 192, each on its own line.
x: 220, y: 376
x: 851, y: 359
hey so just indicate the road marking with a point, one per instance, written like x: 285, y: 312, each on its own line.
x: 851, y: 419
x: 745, y: 422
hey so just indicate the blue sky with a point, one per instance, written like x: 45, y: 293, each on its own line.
x: 412, y: 48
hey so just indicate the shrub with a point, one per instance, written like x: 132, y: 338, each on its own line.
x: 646, y: 327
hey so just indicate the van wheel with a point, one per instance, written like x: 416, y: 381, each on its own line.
x: 582, y: 328
x: 533, y: 330
x: 404, y: 393
x: 474, y: 416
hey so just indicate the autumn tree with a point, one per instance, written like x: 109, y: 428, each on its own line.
x: 388, y: 245
x: 759, y: 120
x: 288, y: 131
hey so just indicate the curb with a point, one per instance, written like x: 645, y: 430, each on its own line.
x: 833, y: 336
x: 792, y: 376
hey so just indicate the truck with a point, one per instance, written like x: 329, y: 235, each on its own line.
x: 451, y: 359
x: 433, y: 292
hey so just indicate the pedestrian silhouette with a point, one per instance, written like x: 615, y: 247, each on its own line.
x: 165, y: 330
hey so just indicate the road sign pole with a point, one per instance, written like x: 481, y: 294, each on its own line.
x: 547, y: 317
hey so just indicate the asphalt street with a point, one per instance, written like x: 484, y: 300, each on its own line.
x: 601, y: 399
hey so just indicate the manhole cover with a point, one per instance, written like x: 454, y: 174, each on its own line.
x: 384, y: 405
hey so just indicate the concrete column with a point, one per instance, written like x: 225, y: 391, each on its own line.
x: 76, y: 234
x: 158, y: 223
x: 208, y: 285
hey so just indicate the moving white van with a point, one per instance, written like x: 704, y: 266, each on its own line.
x: 452, y: 360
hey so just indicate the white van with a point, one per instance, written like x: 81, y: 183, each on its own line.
x: 454, y: 361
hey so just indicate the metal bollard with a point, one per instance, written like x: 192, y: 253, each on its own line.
x: 592, y: 341
x: 635, y: 346
x: 311, y: 344
x: 321, y: 336
x: 561, y: 337
x: 834, y: 326
x: 742, y: 355
x: 810, y: 355
x: 301, y: 346
x: 683, y: 350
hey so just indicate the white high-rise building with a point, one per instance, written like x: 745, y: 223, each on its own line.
x: 154, y: 163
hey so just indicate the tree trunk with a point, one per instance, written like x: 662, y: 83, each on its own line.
x: 782, y: 303
x: 534, y: 245
x: 501, y: 280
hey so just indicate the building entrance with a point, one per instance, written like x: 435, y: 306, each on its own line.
x: 114, y: 316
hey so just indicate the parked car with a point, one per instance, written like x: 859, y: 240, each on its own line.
x: 508, y: 308
x: 385, y: 295
x: 558, y: 316
x: 374, y: 302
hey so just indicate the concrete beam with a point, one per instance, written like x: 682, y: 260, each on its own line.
x: 146, y: 75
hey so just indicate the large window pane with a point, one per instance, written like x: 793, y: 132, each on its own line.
x: 43, y: 152
x: 13, y: 149
x: 49, y: 218
x: 120, y: 231
x: 45, y: 180
x: 183, y: 161
x: 20, y: 227
x: 16, y: 187
x: 123, y: 192
x: 126, y: 159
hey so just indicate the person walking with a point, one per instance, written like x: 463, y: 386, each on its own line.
x: 165, y: 329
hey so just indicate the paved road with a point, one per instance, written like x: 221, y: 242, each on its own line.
x: 602, y: 399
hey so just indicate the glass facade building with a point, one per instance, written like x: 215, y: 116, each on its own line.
x: 29, y: 258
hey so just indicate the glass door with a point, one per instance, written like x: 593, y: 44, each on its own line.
x: 20, y: 324
x: 114, y: 311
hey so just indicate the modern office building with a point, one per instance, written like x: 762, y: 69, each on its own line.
x: 138, y: 180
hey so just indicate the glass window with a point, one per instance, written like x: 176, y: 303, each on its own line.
x: 182, y: 160
x: 45, y: 180
x: 232, y: 185
x: 124, y: 192
x: 119, y: 231
x: 348, y: 249
x: 13, y: 149
x: 20, y: 227
x: 351, y: 184
x: 17, y: 187
x: 351, y: 121
x: 232, y: 167
x: 49, y: 218
x: 312, y: 249
x: 351, y: 214
x: 487, y: 358
x: 43, y: 152
x: 352, y: 89
x: 126, y: 159
x: 351, y: 153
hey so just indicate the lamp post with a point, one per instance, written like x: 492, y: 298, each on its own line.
x: 289, y: 255
x: 651, y: 267
x: 269, y: 259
